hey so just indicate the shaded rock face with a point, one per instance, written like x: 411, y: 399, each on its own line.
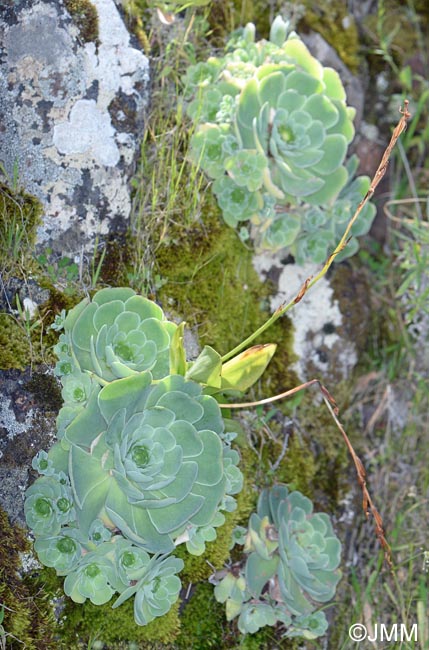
x: 72, y: 117
x: 29, y: 404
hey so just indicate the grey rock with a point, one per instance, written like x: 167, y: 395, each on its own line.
x: 13, y: 483
x: 321, y: 348
x: 72, y: 117
x: 28, y: 406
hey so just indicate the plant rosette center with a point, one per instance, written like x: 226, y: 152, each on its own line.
x: 158, y: 462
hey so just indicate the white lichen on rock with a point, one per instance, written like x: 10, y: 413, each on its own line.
x: 73, y: 117
x: 88, y: 130
x: 316, y: 319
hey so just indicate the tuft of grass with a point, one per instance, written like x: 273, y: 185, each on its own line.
x: 20, y: 215
x: 168, y: 188
x: 168, y: 192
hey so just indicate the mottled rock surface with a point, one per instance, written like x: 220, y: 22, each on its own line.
x: 72, y: 116
x: 29, y: 403
x: 324, y: 347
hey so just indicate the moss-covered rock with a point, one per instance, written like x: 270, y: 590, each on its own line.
x: 14, y: 344
x: 84, y: 15
x: 202, y: 620
x: 115, y: 628
x: 332, y: 20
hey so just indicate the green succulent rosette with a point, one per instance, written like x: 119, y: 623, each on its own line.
x: 148, y: 459
x: 307, y: 553
x: 291, y: 567
x: 116, y: 334
x: 95, y: 577
x: 309, y: 626
x: 155, y: 599
x: 288, y: 127
x: 62, y: 552
x: 49, y: 505
x: 253, y: 616
x: 237, y: 203
x: 77, y: 389
x: 152, y: 580
x: 156, y: 590
x: 43, y: 464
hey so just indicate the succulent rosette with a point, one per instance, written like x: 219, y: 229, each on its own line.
x: 116, y: 334
x: 148, y: 459
x: 309, y: 626
x: 291, y: 567
x: 303, y: 132
x: 322, y: 227
x: 49, y: 505
x: 156, y: 590
x: 62, y: 552
x: 289, y: 128
x: 43, y: 464
x: 306, y: 552
x: 95, y: 577
x: 77, y: 387
x: 253, y: 616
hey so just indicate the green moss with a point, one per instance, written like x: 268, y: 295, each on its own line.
x: 46, y: 391
x: 87, y: 622
x: 14, y: 344
x: 210, y: 283
x: 85, y: 16
x: 20, y: 215
x: 332, y: 20
x: 203, y: 620
x: 323, y: 449
x: 28, y: 614
x: 298, y: 467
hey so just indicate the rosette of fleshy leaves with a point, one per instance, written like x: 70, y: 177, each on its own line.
x: 147, y: 459
x: 49, y: 503
x: 273, y: 129
x: 143, y: 467
x: 119, y: 566
x: 98, y: 571
x: 78, y: 387
x: 116, y: 334
x: 323, y: 227
x: 291, y: 568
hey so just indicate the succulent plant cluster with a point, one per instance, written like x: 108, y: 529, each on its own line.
x: 272, y: 132
x: 291, y: 567
x: 143, y: 462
